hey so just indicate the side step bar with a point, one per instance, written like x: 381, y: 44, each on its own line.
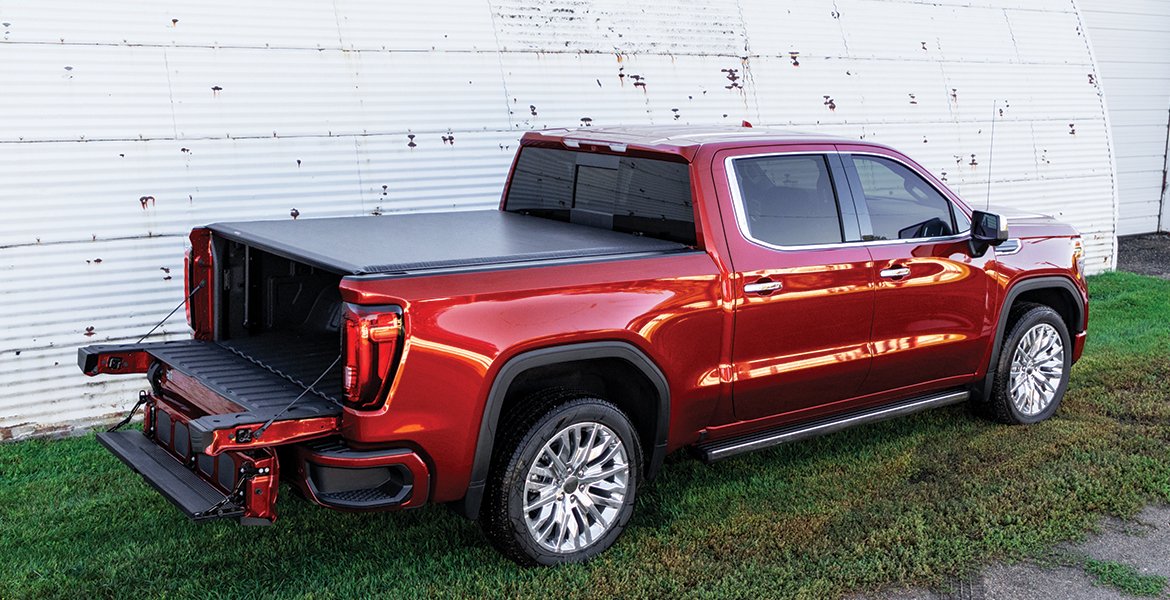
x: 726, y: 448
x: 177, y: 483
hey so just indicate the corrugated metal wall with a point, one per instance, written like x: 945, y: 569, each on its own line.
x: 1131, y: 39
x: 123, y: 124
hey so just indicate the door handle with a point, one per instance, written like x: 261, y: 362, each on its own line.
x: 763, y: 287
x: 895, y: 272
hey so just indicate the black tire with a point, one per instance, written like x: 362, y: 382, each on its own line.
x: 523, y: 435
x: 1025, y: 317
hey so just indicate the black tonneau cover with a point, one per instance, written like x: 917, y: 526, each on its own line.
x: 414, y: 242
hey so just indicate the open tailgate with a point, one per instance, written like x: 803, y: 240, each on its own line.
x: 199, y: 445
x: 225, y: 394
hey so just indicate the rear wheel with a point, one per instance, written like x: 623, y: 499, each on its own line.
x: 562, y: 486
x: 1033, y: 368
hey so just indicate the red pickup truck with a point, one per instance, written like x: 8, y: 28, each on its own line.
x: 639, y: 291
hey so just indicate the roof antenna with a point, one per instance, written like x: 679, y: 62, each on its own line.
x: 990, y: 151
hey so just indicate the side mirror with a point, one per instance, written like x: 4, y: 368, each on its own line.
x: 987, y: 229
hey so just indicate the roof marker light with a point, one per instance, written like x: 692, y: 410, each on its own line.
x: 575, y: 144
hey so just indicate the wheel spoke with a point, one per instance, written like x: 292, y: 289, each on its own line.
x: 583, y: 521
x: 610, y: 501
x: 558, y: 465
x: 591, y: 506
x: 566, y: 517
x: 548, y: 495
x: 591, y: 477
x: 1055, y: 364
x: 609, y: 453
x: 1042, y: 383
x: 547, y: 526
x: 540, y: 473
x: 582, y: 453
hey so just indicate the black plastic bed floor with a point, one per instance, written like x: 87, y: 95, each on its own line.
x: 262, y: 374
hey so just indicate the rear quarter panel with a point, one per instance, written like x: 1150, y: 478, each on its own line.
x: 461, y: 328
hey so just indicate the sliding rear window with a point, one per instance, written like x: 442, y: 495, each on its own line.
x: 643, y: 196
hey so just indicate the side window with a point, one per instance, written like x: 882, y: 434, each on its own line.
x: 901, y: 204
x: 789, y: 200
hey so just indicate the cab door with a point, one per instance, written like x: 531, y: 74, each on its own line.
x: 802, y: 284
x: 932, y: 302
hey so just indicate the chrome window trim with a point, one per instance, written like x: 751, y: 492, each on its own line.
x: 741, y: 213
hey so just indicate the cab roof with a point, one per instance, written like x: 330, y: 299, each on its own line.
x: 684, y: 141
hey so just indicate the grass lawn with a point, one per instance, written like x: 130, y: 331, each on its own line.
x: 910, y: 501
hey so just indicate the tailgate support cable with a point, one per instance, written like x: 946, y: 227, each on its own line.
x: 173, y: 311
x: 142, y: 397
x: 260, y: 431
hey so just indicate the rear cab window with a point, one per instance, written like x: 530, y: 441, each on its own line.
x: 788, y: 200
x: 793, y: 199
x: 642, y: 196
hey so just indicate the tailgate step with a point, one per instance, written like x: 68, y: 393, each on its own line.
x: 178, y: 484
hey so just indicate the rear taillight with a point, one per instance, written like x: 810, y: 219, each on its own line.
x: 198, y: 271
x: 373, y: 345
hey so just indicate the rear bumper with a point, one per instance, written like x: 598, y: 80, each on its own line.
x: 342, y: 478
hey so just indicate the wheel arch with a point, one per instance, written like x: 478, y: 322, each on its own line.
x: 533, y: 361
x: 1058, y: 293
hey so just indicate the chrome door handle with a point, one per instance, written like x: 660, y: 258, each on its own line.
x: 763, y: 287
x: 895, y: 273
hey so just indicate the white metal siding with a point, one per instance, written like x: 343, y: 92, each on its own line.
x: 123, y: 125
x: 1131, y: 39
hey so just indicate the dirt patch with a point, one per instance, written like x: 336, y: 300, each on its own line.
x: 1147, y: 254
x: 1141, y: 547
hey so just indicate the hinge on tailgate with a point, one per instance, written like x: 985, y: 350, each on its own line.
x: 236, y: 496
x: 142, y: 399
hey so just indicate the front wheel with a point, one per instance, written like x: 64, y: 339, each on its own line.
x: 562, y: 488
x: 1033, y: 368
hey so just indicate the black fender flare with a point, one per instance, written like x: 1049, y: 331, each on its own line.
x: 470, y: 504
x: 1032, y: 283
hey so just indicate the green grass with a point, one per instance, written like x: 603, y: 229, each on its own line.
x: 1125, y: 578
x: 910, y: 501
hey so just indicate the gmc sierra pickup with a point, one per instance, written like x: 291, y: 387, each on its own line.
x: 639, y: 291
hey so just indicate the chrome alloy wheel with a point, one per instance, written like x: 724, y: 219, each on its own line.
x: 1037, y: 369
x: 576, y: 487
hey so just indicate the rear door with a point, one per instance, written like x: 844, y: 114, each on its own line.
x: 803, y: 295
x: 932, y: 298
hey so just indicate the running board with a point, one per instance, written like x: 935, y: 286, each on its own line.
x: 726, y: 448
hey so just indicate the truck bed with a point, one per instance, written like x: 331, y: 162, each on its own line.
x: 401, y: 244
